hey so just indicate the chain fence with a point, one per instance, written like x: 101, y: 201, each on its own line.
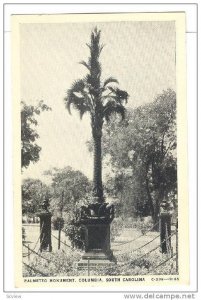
x: 167, y: 239
x: 31, y: 251
x: 61, y: 241
x: 138, y: 237
x: 35, y: 271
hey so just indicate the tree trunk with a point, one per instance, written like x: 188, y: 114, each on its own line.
x: 159, y: 198
x: 97, y: 172
x: 156, y: 215
x: 151, y: 205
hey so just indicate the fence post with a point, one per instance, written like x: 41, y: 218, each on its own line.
x: 177, y: 267
x: 59, y: 235
x: 45, y: 226
x: 165, y: 231
x: 23, y: 234
x: 60, y: 219
x: 88, y: 268
x: 28, y: 252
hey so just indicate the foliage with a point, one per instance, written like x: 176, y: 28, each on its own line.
x: 130, y: 265
x: 147, y: 265
x: 144, y: 225
x: 137, y: 267
x: 142, y: 153
x: 100, y: 99
x: 75, y: 234
x: 29, y: 149
x: 32, y: 191
x: 144, y: 261
x: 141, y: 224
x: 58, y: 264
x: 68, y: 188
x: 58, y: 223
x: 115, y: 228
x: 61, y: 264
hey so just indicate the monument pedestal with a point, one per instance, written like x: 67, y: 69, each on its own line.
x: 95, y: 221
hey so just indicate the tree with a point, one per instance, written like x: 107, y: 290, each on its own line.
x: 68, y: 187
x: 29, y: 149
x: 100, y: 100
x: 32, y: 192
x: 69, y: 191
x: 142, y: 151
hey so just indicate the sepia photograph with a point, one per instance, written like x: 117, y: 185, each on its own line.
x: 100, y: 149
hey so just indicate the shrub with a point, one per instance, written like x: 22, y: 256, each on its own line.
x: 58, y: 223
x: 144, y: 225
x: 75, y: 234
x: 116, y: 228
x: 59, y: 263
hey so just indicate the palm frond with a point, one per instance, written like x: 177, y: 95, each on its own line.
x: 110, y: 80
x: 120, y: 96
x: 95, y: 47
x: 78, y: 104
x: 86, y: 95
x: 78, y: 85
x: 76, y: 98
x: 82, y: 111
x: 89, y: 46
x: 85, y: 64
x: 96, y: 33
x: 101, y: 48
x: 113, y: 107
x: 112, y: 89
x: 69, y: 100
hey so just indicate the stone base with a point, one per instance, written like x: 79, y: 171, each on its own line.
x: 97, y: 255
x: 93, y: 264
x: 95, y: 259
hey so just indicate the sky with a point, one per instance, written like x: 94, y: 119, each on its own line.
x: 141, y: 55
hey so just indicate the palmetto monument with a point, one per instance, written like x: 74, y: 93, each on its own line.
x: 100, y: 99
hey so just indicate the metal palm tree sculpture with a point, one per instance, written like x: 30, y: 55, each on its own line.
x: 98, y: 98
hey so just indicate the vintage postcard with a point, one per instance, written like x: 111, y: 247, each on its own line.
x: 100, y: 150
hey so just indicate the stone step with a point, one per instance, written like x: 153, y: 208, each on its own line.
x: 95, y: 255
x: 93, y: 264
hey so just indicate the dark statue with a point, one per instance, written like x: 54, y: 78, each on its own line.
x: 102, y: 211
